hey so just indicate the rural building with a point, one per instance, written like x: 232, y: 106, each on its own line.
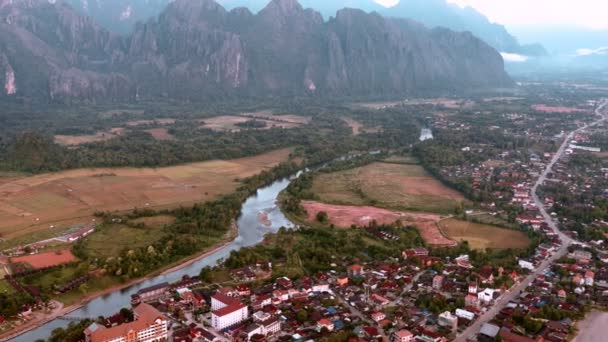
x: 149, y: 325
x: 415, y: 252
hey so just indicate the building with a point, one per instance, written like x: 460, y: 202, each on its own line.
x: 378, y: 316
x: 473, y: 288
x: 149, y: 325
x: 580, y: 254
x: 403, y: 336
x: 468, y: 315
x: 415, y: 252
x: 325, y: 323
x: 589, y: 278
x: 227, y: 311
x: 486, y: 296
x: 437, y: 282
x: 448, y: 320
x: 526, y: 264
x: 355, y: 270
x: 150, y: 294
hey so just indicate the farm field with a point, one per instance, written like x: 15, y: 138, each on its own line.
x: 160, y: 134
x: 103, y: 243
x: 346, y: 216
x: 482, y: 236
x: 229, y: 123
x: 404, y: 187
x: 74, y: 140
x: 29, y: 206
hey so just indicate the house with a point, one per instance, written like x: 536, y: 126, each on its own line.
x: 325, y: 323
x: 378, y: 316
x: 150, y: 294
x: 486, y: 296
x: 379, y: 300
x: 403, y: 336
x: 468, y: 315
x: 415, y: 252
x: 437, y: 282
x: 489, y: 330
x: 471, y: 300
x: 507, y: 336
x: 149, y: 325
x: 561, y: 294
x: 589, y: 278
x: 342, y: 281
x: 578, y: 280
x: 448, y: 320
x: 581, y: 254
x: 355, y: 271
x: 526, y: 264
x: 473, y: 288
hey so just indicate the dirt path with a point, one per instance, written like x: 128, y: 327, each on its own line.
x: 592, y: 328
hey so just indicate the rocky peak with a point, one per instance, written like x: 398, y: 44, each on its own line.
x: 283, y: 7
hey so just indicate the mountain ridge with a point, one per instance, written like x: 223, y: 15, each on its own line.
x: 197, y: 50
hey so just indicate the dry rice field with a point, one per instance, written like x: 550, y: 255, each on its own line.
x: 228, y: 123
x: 346, y: 216
x: 160, y: 134
x: 388, y: 185
x: 32, y: 204
x: 44, y: 260
x: 482, y: 236
x: 74, y: 140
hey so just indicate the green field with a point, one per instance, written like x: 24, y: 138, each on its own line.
x: 392, y: 185
x: 103, y: 243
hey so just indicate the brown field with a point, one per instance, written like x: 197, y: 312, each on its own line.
x: 73, y: 140
x: 346, y: 216
x: 552, y: 109
x: 356, y: 126
x: 482, y: 236
x: 160, y: 134
x: 289, y: 118
x: 168, y: 121
x: 389, y: 185
x: 44, y: 260
x: 227, y: 123
x: 30, y: 205
x: 445, y: 102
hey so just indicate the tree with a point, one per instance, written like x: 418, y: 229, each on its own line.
x: 322, y: 217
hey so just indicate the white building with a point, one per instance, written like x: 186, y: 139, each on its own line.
x: 229, y: 315
x: 465, y: 314
x: 526, y: 264
x: 446, y: 319
x: 227, y: 311
x: 486, y: 296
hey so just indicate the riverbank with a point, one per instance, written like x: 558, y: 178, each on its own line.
x: 63, y: 311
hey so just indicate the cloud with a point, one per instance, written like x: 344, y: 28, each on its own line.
x: 513, y: 57
x: 589, y: 52
x: 387, y: 3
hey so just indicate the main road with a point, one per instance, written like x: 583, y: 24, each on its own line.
x: 512, y: 293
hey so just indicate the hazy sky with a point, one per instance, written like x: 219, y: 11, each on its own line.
x: 587, y: 13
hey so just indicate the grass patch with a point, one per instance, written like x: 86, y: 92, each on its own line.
x: 483, y: 236
x: 5, y: 287
x: 155, y: 221
x: 404, y: 187
x: 108, y: 241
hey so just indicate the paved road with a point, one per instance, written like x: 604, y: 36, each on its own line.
x: 510, y: 295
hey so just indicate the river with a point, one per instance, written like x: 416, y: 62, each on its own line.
x: 251, y: 232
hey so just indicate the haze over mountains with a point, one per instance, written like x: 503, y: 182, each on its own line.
x: 197, y: 50
x: 121, y: 16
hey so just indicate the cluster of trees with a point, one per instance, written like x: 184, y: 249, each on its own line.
x: 13, y: 303
x: 295, y: 253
